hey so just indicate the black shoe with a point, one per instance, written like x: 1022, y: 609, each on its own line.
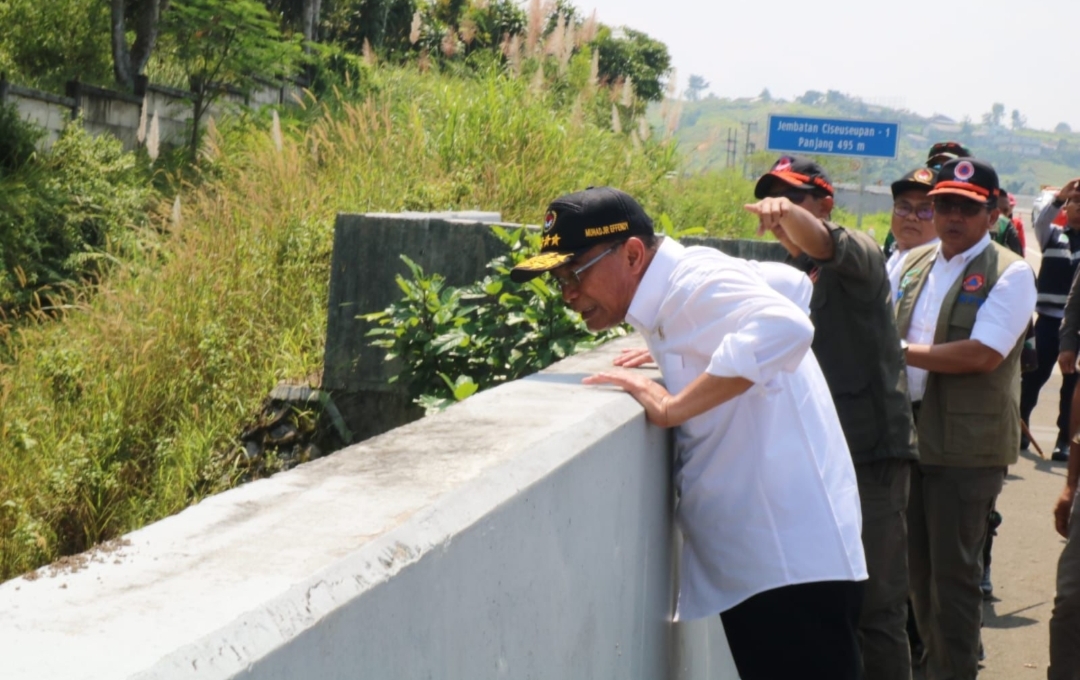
x: 1024, y: 442
x: 985, y: 585
x: 1061, y: 453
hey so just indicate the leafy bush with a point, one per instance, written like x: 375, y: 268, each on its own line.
x: 454, y: 341
x: 44, y: 45
x: 64, y: 212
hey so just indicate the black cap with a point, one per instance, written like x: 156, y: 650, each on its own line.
x: 919, y: 178
x: 576, y: 222
x: 943, y: 152
x: 967, y: 177
x: 795, y: 171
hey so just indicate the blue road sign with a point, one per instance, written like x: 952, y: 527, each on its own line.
x: 832, y: 136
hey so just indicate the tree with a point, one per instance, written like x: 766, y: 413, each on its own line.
x: 45, y: 48
x: 811, y: 97
x: 995, y: 116
x: 1018, y: 121
x: 221, y: 43
x: 1062, y: 128
x: 695, y: 87
x: 636, y: 56
x: 765, y: 95
x: 143, y: 18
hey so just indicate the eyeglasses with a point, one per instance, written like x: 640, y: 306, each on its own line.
x: 946, y: 207
x: 922, y: 212
x: 574, y: 277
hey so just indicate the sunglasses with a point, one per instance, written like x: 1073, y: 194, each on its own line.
x: 795, y: 196
x: 573, y: 277
x: 923, y: 212
x: 946, y: 207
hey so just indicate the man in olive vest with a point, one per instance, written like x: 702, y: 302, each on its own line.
x: 962, y: 308
x: 857, y: 345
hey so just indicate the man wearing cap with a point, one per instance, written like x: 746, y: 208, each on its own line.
x: 912, y: 219
x: 962, y: 307
x: 939, y: 153
x: 768, y: 503
x: 1065, y: 620
x: 858, y: 348
x: 1055, y: 342
x: 943, y: 152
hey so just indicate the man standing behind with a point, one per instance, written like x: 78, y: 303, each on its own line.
x: 768, y: 504
x: 858, y: 347
x: 912, y: 219
x: 1060, y: 253
x: 1065, y: 621
x: 963, y: 306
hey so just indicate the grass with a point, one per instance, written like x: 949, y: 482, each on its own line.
x: 129, y: 408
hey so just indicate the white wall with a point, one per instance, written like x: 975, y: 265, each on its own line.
x: 525, y: 533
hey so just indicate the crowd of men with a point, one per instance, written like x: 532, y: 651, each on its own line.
x: 844, y: 421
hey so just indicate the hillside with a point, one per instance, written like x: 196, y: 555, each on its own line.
x: 1024, y: 158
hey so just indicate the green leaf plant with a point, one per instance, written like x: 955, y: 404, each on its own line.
x: 454, y: 341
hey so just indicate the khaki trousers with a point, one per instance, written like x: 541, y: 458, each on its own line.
x: 883, y: 491
x: 947, y: 524
x: 1065, y: 621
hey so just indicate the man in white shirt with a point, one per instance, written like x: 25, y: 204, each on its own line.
x: 768, y: 502
x: 962, y: 306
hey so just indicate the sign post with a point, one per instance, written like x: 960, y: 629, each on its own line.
x: 834, y: 137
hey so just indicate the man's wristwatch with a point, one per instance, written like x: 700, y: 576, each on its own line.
x: 903, y: 346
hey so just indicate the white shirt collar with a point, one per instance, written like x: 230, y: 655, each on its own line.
x: 968, y: 255
x: 653, y: 285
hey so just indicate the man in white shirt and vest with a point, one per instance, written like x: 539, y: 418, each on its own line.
x: 963, y: 305
x: 768, y: 502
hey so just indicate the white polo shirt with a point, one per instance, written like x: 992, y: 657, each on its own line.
x: 1000, y: 321
x: 767, y: 490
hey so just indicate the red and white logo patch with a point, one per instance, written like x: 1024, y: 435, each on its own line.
x: 782, y: 165
x: 964, y: 171
x: 974, y: 283
x: 549, y: 221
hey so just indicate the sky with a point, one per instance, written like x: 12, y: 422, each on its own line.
x: 954, y: 58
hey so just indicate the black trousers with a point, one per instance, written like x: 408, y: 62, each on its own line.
x: 1046, y: 348
x: 806, y: 632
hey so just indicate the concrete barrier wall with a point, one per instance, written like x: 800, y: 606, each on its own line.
x: 524, y: 533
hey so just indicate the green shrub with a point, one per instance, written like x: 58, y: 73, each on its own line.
x: 454, y: 341
x: 64, y: 213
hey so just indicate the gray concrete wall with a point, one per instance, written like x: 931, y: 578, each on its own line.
x: 874, y: 199
x: 118, y: 113
x: 523, y: 533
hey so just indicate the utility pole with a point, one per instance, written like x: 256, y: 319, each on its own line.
x: 732, y: 147
x: 749, y: 149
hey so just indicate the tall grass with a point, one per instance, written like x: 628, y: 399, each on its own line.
x: 130, y: 408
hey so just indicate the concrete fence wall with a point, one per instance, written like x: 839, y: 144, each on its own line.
x: 119, y: 113
x: 524, y: 533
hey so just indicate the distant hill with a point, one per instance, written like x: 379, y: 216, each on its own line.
x: 1024, y: 158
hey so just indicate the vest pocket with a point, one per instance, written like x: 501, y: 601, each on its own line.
x: 973, y: 423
